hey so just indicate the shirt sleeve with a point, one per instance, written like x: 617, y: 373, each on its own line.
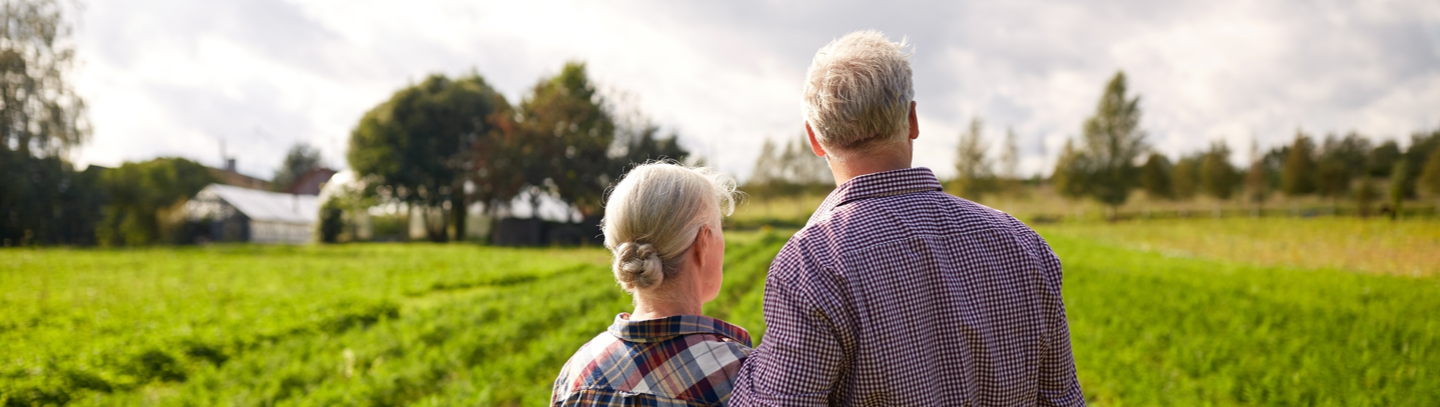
x: 801, y: 354
x: 1058, y: 384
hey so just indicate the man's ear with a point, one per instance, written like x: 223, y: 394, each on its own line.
x: 914, y: 122
x: 814, y: 143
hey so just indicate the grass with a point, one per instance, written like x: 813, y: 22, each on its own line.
x: 1152, y: 329
x: 1156, y: 319
x: 1407, y: 248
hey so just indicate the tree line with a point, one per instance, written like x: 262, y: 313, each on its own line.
x: 43, y: 198
x: 1112, y: 158
x: 789, y: 169
x: 441, y: 144
x: 446, y: 143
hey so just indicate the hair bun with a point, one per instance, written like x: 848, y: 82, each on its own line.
x: 638, y: 265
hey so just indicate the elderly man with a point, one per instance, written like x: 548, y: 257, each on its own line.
x: 896, y: 293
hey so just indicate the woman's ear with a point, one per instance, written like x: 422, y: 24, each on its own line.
x: 701, y: 246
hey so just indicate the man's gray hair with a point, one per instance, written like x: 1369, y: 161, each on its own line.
x: 858, y: 92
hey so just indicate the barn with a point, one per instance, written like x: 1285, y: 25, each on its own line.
x: 228, y: 213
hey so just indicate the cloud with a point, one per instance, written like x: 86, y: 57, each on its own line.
x: 175, y: 78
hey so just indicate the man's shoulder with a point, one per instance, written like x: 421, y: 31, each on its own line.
x: 856, y: 226
x: 880, y: 220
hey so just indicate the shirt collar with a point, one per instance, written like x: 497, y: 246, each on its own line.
x: 880, y: 184
x: 656, y: 330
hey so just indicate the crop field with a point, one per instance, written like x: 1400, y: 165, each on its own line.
x: 1155, y: 320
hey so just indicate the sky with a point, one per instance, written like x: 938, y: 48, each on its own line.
x: 254, y: 77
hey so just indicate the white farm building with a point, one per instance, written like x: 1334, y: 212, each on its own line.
x: 234, y: 214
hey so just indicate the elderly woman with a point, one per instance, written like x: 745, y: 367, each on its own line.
x: 662, y: 223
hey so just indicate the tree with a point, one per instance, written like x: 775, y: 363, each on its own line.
x: 1341, y: 160
x: 1217, y: 176
x: 140, y: 192
x: 973, y: 174
x: 1155, y: 177
x: 1185, y: 178
x: 1352, y: 151
x: 1257, y: 178
x: 1111, y: 142
x: 1399, y: 179
x: 1332, y: 178
x: 500, y: 162
x: 43, y: 199
x: 39, y: 113
x: 1430, y: 175
x: 789, y: 172
x: 414, y: 148
x: 299, y: 160
x: 1383, y: 158
x: 804, y: 171
x: 1274, y: 162
x: 1365, y: 197
x: 763, y: 176
x: 332, y: 221
x: 1069, y: 175
x: 1009, y: 162
x: 569, y: 134
x: 1298, y: 176
x: 644, y: 146
x: 1417, y: 156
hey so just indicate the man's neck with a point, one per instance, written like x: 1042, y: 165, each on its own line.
x: 856, y: 166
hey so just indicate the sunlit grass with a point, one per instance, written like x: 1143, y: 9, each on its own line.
x: 1408, y: 247
x: 422, y: 324
x: 1152, y: 329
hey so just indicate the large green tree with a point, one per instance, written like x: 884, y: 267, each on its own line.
x: 416, y: 148
x: 568, y: 134
x: 1111, y: 141
x: 43, y: 199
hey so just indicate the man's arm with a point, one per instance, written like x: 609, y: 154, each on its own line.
x: 800, y: 355
x: 1058, y: 384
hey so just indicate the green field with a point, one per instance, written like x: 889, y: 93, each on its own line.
x: 422, y: 324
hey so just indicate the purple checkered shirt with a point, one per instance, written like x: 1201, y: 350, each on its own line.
x: 896, y: 293
x: 679, y: 361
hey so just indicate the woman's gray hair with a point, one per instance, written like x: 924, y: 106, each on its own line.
x: 858, y: 92
x: 654, y: 215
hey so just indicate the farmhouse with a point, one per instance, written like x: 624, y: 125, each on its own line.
x: 233, y: 214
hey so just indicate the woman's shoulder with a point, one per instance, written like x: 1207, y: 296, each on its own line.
x: 688, y: 366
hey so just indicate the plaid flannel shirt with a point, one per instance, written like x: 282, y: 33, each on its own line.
x: 898, y: 294
x: 685, y: 360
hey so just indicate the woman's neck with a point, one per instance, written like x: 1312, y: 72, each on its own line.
x: 649, y: 309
